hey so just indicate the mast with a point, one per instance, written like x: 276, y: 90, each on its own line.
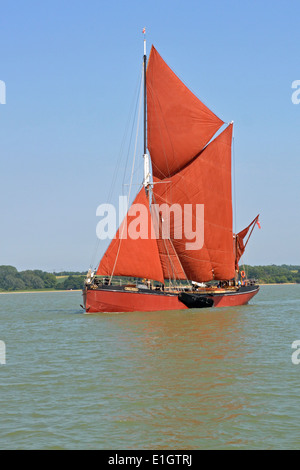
x: 145, y: 95
x: 146, y: 181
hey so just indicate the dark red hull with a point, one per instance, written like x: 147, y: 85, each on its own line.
x: 121, y: 300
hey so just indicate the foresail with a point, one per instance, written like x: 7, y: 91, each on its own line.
x: 206, y: 181
x: 129, y: 255
x: 179, y: 125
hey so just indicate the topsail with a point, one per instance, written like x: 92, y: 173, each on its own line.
x: 179, y: 125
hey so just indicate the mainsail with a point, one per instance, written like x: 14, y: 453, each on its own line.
x: 206, y: 180
x: 170, y: 262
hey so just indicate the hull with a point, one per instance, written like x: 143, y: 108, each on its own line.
x: 233, y: 300
x: 111, y: 299
x: 120, y: 300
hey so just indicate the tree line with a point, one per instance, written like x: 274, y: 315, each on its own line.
x: 273, y: 274
x: 13, y: 280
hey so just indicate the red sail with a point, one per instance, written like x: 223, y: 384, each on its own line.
x: 206, y: 180
x: 169, y: 259
x: 179, y: 124
x: 170, y: 262
x: 239, y: 238
x: 134, y: 257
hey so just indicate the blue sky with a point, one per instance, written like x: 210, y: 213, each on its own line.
x: 71, y: 71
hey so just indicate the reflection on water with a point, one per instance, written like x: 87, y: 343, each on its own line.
x: 186, y: 366
x: 210, y: 378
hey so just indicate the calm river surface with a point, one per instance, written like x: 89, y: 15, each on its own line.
x: 207, y: 379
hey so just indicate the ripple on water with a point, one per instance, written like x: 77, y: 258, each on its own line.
x: 213, y: 378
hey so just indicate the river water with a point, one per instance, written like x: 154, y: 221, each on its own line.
x: 207, y: 379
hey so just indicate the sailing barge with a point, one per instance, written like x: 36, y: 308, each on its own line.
x: 190, y: 151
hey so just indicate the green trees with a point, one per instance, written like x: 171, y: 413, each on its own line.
x: 274, y: 274
x: 12, y: 280
x: 71, y: 282
x: 31, y: 280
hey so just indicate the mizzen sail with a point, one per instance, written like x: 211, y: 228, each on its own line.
x: 241, y: 243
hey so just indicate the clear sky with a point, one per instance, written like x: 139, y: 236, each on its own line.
x: 71, y: 70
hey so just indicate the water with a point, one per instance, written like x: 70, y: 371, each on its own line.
x: 206, y: 379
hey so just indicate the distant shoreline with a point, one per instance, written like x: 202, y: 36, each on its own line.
x: 39, y: 291
x: 279, y: 284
